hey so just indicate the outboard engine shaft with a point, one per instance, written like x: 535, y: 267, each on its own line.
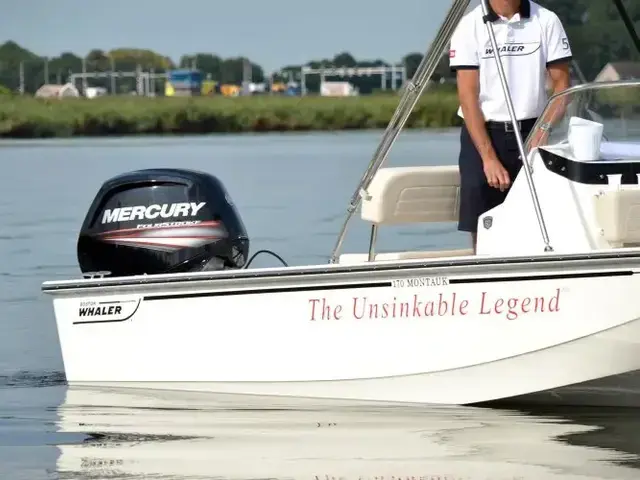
x: 162, y: 221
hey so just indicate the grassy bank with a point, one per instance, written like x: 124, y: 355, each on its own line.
x: 25, y: 117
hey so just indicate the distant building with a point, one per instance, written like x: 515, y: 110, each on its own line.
x: 93, y: 92
x: 337, y: 89
x: 615, y: 71
x: 57, y: 91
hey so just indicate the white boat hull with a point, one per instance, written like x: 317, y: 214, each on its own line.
x: 514, y: 323
x: 469, y: 331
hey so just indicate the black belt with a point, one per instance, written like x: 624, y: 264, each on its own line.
x: 508, y: 126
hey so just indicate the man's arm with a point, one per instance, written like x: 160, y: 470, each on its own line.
x: 463, y: 59
x: 560, y: 81
x: 468, y: 94
x: 559, y: 57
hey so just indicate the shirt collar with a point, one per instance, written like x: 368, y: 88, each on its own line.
x: 524, y: 11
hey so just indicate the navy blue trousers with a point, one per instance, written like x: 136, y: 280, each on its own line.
x: 476, y: 196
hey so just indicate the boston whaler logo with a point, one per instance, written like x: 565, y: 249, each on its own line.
x: 151, y: 212
x: 512, y: 49
x: 106, y: 311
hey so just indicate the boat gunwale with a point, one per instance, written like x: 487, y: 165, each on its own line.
x: 370, y: 272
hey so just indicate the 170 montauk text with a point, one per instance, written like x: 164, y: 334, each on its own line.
x: 440, y: 305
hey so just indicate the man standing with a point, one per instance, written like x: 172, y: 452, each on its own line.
x: 533, y: 45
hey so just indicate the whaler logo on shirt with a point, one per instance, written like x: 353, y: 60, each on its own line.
x: 512, y: 49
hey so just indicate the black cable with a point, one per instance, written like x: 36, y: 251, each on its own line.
x: 265, y: 251
x: 628, y: 23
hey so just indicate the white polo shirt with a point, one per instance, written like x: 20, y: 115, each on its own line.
x: 528, y: 43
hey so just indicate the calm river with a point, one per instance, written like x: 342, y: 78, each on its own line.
x: 292, y: 191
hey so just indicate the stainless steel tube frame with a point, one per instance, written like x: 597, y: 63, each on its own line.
x: 410, y: 97
x: 516, y: 129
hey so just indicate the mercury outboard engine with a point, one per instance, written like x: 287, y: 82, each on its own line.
x: 162, y: 221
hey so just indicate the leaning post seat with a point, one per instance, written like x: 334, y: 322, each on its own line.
x: 405, y: 195
x: 617, y: 214
x: 411, y: 195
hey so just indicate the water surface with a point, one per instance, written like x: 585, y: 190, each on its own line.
x: 292, y: 191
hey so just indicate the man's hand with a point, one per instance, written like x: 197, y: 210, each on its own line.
x: 497, y: 175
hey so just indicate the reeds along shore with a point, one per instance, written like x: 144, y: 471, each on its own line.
x: 26, y: 117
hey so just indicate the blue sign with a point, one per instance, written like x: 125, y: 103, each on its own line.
x: 187, y: 79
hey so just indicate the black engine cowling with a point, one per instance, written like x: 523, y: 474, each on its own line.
x: 162, y: 221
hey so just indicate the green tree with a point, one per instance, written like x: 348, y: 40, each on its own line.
x: 596, y: 31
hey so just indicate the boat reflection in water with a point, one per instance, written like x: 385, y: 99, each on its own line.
x: 178, y: 435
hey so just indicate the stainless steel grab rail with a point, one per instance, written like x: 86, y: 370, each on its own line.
x: 516, y: 128
x: 410, y: 97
